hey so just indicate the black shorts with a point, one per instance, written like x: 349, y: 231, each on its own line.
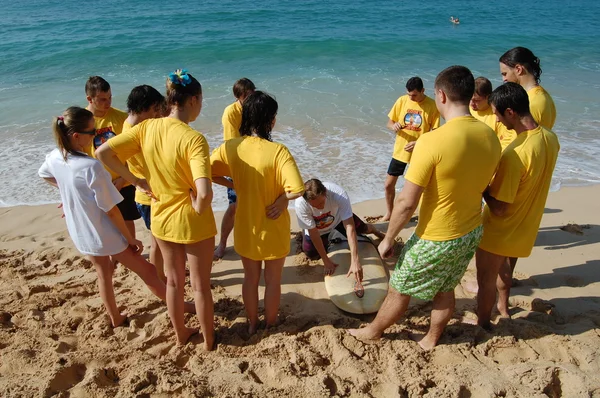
x: 396, y: 168
x: 128, y: 207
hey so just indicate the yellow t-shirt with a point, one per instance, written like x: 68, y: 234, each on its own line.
x: 418, y: 117
x: 137, y: 166
x: 176, y: 155
x: 541, y: 106
x: 454, y: 164
x: 487, y: 116
x: 523, y: 180
x: 232, y: 120
x: 107, y: 127
x: 262, y: 171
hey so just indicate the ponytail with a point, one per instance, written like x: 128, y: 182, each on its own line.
x: 73, y: 120
x: 524, y: 57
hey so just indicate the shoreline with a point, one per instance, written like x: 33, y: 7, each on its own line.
x: 53, y: 325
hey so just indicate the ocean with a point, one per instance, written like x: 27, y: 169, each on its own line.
x: 335, y: 67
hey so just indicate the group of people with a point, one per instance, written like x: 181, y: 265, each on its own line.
x: 113, y: 167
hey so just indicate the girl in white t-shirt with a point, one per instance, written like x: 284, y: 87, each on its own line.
x: 90, y: 202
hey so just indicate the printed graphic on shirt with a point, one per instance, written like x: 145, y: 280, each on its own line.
x: 324, y: 220
x: 102, y: 135
x: 413, y: 119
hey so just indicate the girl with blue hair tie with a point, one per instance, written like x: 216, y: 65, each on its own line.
x: 179, y: 180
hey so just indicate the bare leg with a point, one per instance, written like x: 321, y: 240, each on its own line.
x: 273, y: 270
x: 226, y: 228
x: 488, y: 267
x: 443, y: 308
x: 105, y: 269
x: 174, y: 260
x: 390, y: 194
x: 200, y: 259
x: 252, y: 271
x: 156, y: 259
x: 393, y: 308
x: 372, y: 230
x: 504, y: 283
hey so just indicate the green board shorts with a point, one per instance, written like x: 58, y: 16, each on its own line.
x: 427, y: 267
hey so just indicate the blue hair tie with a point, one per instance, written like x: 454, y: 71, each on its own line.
x: 181, y: 77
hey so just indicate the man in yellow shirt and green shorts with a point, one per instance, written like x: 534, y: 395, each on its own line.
x: 515, y: 199
x: 450, y: 168
x: 412, y: 115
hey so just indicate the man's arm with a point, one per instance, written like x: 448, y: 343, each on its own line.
x: 223, y: 181
x: 355, y: 266
x: 394, y: 126
x: 315, y: 237
x: 404, y: 207
x: 497, y: 207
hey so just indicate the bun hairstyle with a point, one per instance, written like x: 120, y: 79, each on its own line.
x: 181, y: 86
x: 258, y: 112
x: 73, y: 120
x: 524, y: 57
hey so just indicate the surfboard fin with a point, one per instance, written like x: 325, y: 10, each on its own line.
x: 359, y: 290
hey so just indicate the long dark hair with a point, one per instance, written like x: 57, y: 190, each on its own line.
x: 73, y: 120
x: 523, y: 56
x: 258, y: 112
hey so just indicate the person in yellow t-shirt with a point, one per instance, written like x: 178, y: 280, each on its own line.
x: 450, y: 169
x: 266, y: 178
x: 520, y: 65
x: 232, y: 120
x: 179, y: 179
x: 145, y: 102
x: 109, y: 124
x: 412, y: 115
x: 515, y: 199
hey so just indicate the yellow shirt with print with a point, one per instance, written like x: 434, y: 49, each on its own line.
x: 137, y: 166
x: 107, y: 127
x: 541, y: 107
x: 232, y: 121
x: 176, y: 155
x: 418, y: 117
x: 262, y: 171
x: 523, y: 180
x: 454, y: 164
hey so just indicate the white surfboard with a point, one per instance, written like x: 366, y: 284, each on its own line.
x: 341, y: 289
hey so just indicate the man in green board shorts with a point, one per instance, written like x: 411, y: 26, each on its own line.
x: 450, y: 168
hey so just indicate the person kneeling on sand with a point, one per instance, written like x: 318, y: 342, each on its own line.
x: 324, y: 207
x: 450, y: 168
x: 90, y: 200
x: 515, y: 199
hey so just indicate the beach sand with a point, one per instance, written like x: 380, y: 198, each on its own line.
x: 55, y: 337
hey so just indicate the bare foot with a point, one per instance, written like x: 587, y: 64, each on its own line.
x: 118, y: 321
x: 219, y: 252
x: 189, y: 307
x: 503, y: 310
x: 471, y: 286
x: 252, y: 328
x: 209, y: 345
x: 386, y: 217
x: 364, y: 334
x: 468, y: 321
x: 188, y: 332
x: 425, y: 342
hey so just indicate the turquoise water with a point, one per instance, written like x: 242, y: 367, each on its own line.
x: 335, y: 68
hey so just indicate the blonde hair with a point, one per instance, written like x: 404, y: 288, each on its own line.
x: 73, y: 120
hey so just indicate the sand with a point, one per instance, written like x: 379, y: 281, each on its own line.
x: 55, y: 338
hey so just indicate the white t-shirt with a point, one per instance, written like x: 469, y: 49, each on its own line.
x: 87, y: 193
x: 337, y: 209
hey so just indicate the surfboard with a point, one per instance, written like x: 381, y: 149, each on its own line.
x: 341, y: 289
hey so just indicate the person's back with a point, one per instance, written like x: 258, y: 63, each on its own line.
x: 464, y: 153
x: 541, y: 106
x: 86, y: 196
x: 167, y: 145
x: 260, y: 169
